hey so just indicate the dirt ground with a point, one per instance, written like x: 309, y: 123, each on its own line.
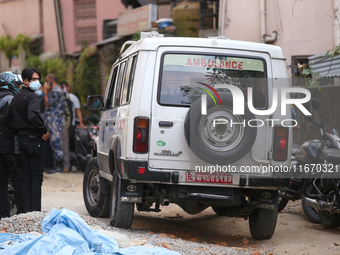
x: 294, y: 234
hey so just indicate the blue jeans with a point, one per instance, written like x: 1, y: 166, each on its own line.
x: 32, y: 153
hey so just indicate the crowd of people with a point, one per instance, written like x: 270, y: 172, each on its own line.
x: 36, y: 123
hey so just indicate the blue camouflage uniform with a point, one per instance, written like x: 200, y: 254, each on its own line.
x: 54, y: 123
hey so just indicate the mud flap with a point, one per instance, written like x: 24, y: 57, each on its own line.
x: 268, y: 199
x: 131, y: 192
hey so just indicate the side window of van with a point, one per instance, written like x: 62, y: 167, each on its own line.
x: 118, y: 86
x: 128, y: 80
x: 108, y: 103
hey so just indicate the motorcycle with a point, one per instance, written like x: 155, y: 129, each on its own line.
x: 326, y: 181
x: 295, y: 189
x: 84, y: 141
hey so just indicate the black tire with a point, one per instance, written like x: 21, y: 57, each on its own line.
x: 310, y: 212
x: 220, y: 210
x: 97, y: 203
x: 121, y: 214
x: 221, y: 143
x: 262, y: 223
x: 282, y: 204
x: 329, y: 220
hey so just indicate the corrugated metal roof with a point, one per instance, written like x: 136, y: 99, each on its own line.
x: 325, y: 65
x: 108, y: 40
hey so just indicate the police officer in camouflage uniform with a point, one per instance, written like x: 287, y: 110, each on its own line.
x: 54, y: 101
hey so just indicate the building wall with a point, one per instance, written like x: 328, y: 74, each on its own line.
x: 23, y: 16
x: 50, y: 31
x: 163, y: 11
x: 69, y: 28
x: 328, y: 97
x: 306, y: 26
x: 105, y: 9
x: 4, y: 63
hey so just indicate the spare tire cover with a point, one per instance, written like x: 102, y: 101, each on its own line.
x: 212, y: 138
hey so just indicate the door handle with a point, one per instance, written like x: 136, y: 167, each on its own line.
x: 165, y: 123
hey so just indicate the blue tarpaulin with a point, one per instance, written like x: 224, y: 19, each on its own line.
x: 68, y: 234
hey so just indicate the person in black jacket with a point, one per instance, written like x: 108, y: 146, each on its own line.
x: 8, y: 162
x: 25, y: 111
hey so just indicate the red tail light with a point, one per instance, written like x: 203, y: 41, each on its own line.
x: 141, y: 135
x: 280, y: 143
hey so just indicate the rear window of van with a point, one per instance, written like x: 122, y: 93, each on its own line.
x: 186, y: 75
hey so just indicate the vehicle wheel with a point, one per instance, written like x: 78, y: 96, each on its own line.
x: 282, y: 204
x: 220, y: 210
x: 311, y: 212
x: 217, y: 142
x: 262, y: 223
x: 121, y: 214
x: 97, y: 203
x: 329, y: 220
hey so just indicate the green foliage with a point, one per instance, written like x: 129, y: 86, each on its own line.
x: 136, y: 36
x: 10, y: 46
x: 306, y: 71
x: 314, y: 81
x: 55, y: 66
x: 87, y: 75
x: 109, y: 54
x: 334, y: 52
x: 83, y: 75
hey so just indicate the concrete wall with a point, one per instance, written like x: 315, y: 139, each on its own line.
x: 23, y: 16
x: 328, y: 98
x: 105, y: 9
x: 4, y: 63
x: 69, y: 26
x: 306, y: 26
x: 50, y: 31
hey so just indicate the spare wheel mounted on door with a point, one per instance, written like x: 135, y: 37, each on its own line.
x: 212, y: 137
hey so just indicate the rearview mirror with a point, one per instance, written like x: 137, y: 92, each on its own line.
x: 94, y: 103
x: 315, y: 104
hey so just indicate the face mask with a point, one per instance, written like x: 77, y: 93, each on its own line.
x: 38, y: 92
x: 64, y: 90
x: 35, y: 85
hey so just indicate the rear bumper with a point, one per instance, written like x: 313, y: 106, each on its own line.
x: 140, y: 171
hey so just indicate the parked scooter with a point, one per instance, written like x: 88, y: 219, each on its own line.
x: 326, y: 199
x: 83, y: 140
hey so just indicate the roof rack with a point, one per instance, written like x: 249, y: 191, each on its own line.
x: 222, y: 37
x: 150, y: 34
x: 125, y: 46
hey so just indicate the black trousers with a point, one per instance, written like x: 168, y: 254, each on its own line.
x: 71, y: 133
x: 32, y: 153
x: 49, y: 163
x: 9, y: 169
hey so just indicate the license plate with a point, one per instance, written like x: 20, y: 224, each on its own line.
x: 208, y: 178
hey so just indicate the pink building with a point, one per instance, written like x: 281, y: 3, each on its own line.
x: 83, y: 20
x: 78, y: 20
x: 301, y: 28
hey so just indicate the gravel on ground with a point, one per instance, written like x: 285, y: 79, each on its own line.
x: 31, y: 222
